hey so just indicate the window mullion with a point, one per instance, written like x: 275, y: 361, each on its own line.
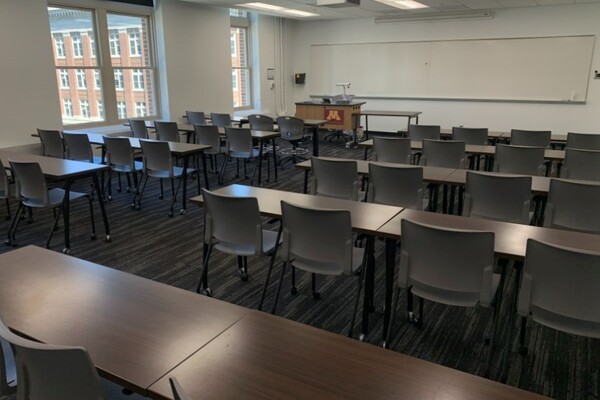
x: 106, y: 70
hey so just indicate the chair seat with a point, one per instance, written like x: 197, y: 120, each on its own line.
x: 565, y: 323
x: 177, y: 172
x: 460, y: 299
x: 269, y: 238
x: 127, y: 168
x: 324, y: 268
x: 55, y: 198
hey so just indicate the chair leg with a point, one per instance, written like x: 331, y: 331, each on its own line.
x: 174, y: 193
x: 242, y: 263
x: 223, y: 169
x: 294, y: 290
x: 93, y: 235
x: 135, y: 189
x: 388, y: 334
x: 58, y: 214
x: 271, y: 263
x: 357, y: 300
x: 119, y: 188
x: 9, y: 238
x: 139, y: 202
x: 316, y: 295
x: 274, y: 310
x: 204, y: 270
x: 128, y: 183
x: 522, y: 336
x: 237, y: 166
x: 18, y: 221
x: 253, y: 172
x: 7, y: 209
x: 162, y: 190
x: 492, y: 348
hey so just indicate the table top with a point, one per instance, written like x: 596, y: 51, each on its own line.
x: 314, y: 122
x: 333, y: 104
x: 177, y: 148
x: 510, y: 238
x: 53, y: 168
x: 366, y: 217
x: 267, y: 357
x: 135, y: 330
x: 384, y: 113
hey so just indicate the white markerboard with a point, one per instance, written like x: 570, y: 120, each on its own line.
x: 516, y: 69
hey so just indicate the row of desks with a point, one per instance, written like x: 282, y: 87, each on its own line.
x: 139, y: 333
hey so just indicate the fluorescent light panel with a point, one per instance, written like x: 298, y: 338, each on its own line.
x: 278, y: 9
x: 403, y: 4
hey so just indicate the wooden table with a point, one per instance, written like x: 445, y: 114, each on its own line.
x: 266, y: 357
x: 380, y: 113
x: 366, y: 218
x: 57, y: 169
x: 135, y: 330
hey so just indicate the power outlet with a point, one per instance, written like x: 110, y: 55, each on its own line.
x: 596, y: 74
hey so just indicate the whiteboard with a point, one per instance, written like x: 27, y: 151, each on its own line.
x: 515, y: 69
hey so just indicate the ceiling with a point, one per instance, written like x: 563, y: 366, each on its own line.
x: 371, y: 8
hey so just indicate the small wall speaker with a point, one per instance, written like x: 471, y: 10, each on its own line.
x: 300, y: 78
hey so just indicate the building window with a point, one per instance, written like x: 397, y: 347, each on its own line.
x: 81, y: 79
x: 59, y: 41
x: 140, y: 109
x: 119, y: 85
x: 121, y: 109
x: 64, y: 78
x: 234, y: 80
x: 77, y: 45
x: 84, y: 105
x: 233, y: 44
x: 135, y: 44
x: 115, y: 44
x: 138, y: 79
x: 68, y: 107
x: 100, y: 105
x: 92, y: 45
x: 241, y: 72
x: 97, y: 80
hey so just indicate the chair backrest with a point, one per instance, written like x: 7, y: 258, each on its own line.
x: 581, y: 164
x: 178, y: 393
x: 31, y: 184
x: 239, y: 141
x: 167, y: 131
x: 585, y: 141
x: 559, y: 288
x: 52, y: 143
x: 476, y: 136
x: 573, y: 206
x: 157, y: 156
x: 444, y: 153
x: 195, y: 117
x: 318, y: 239
x: 220, y: 120
x: 420, y: 132
x: 395, y: 150
x: 499, y: 197
x: 52, y: 372
x: 232, y: 220
x: 208, y: 135
x: 118, y: 151
x: 78, y: 147
x: 334, y: 178
x: 138, y: 128
x: 523, y: 160
x: 291, y: 128
x: 400, y: 186
x: 260, y: 122
x: 449, y: 266
x: 521, y: 137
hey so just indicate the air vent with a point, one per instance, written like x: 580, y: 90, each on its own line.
x: 435, y: 16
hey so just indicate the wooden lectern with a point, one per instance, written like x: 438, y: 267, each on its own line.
x: 338, y: 116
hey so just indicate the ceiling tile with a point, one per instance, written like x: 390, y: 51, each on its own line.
x: 481, y: 4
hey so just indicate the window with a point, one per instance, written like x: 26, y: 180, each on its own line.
x: 64, y: 79
x: 121, y: 109
x: 59, y: 42
x: 81, y: 79
x: 140, y: 109
x: 77, y: 45
x: 115, y: 44
x: 240, y: 60
x: 68, y: 107
x: 234, y: 81
x: 116, y: 85
x: 233, y: 44
x: 84, y: 105
x: 135, y: 44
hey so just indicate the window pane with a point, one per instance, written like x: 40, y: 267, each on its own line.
x: 73, y: 36
x: 240, y: 84
x: 238, y: 40
x: 79, y: 90
x: 128, y: 41
x: 135, y: 92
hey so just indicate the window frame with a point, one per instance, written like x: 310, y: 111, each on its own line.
x: 243, y: 23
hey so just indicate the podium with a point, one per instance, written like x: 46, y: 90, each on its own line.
x: 339, y: 116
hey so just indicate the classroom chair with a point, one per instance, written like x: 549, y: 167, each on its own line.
x: 292, y: 131
x: 220, y: 120
x: 581, y: 164
x: 239, y: 146
x: 524, y: 160
x: 209, y: 135
x: 138, y: 128
x: 393, y: 150
x: 195, y: 117
x: 584, y: 141
x: 52, y: 143
x: 334, y: 178
x: 420, y: 132
x: 573, y: 206
x: 521, y: 137
x: 166, y: 131
x: 400, y: 186
x: 260, y: 122
x: 120, y: 159
x: 78, y: 148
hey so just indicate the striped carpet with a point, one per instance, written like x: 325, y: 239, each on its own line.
x: 149, y: 244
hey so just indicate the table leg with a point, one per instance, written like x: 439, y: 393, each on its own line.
x: 274, y: 158
x: 366, y: 131
x: 102, y: 208
x: 390, y: 263
x: 184, y: 177
x: 66, y: 210
x: 306, y: 181
x: 369, y: 286
x: 315, y: 137
x: 204, y: 171
x: 260, y: 157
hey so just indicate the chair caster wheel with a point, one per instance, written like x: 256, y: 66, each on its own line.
x: 170, y: 215
x: 182, y: 212
x: 207, y: 292
x: 66, y: 250
x: 294, y: 290
x: 109, y: 198
x: 362, y: 337
x: 316, y: 295
x: 523, y: 350
x: 384, y: 345
x: 8, y: 242
x: 243, y: 276
x: 107, y: 238
x: 93, y: 236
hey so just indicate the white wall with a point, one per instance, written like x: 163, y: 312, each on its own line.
x: 516, y: 22
x: 28, y: 88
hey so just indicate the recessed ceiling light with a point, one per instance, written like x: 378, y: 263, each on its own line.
x: 262, y: 6
x: 300, y: 13
x: 278, y: 9
x: 410, y: 4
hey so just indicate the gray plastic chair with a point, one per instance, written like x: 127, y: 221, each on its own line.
x: 52, y: 143
x: 573, y: 206
x: 334, y: 178
x: 581, y: 164
x: 559, y: 289
x: 292, y: 131
x: 260, y: 122
x: 420, y: 132
x: 220, y: 120
x: 474, y: 136
x: 521, y: 137
x: 499, y: 197
x: 400, y: 186
x: 166, y: 131
x: 523, y: 160
x: 233, y: 225
x: 178, y: 393
x: 584, y: 141
x: 444, y: 153
x: 7, y: 189
x: 78, y: 148
x: 120, y: 159
x: 394, y: 150
x: 239, y: 146
x: 195, y: 117
x: 320, y: 242
x: 138, y: 128
x: 448, y: 266
x: 50, y: 372
x: 158, y: 163
x: 209, y: 135
x: 33, y: 192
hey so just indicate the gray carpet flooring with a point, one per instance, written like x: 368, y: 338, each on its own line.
x: 169, y: 250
